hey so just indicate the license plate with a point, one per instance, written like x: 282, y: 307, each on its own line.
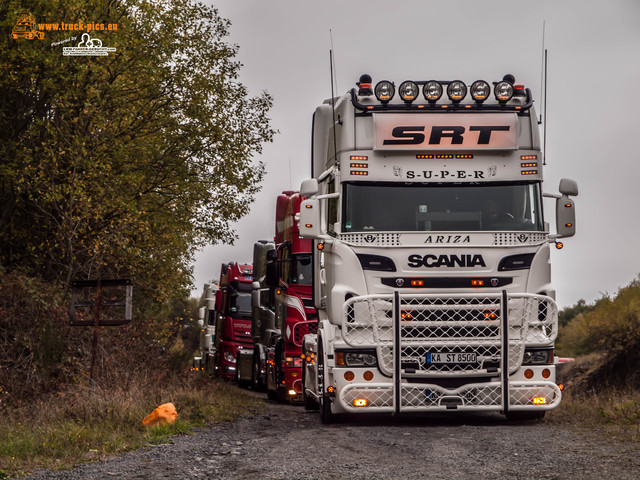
x: 451, y: 357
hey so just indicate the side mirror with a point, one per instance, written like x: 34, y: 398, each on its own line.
x: 568, y: 187
x: 201, y: 312
x: 566, y: 209
x: 255, y: 295
x: 309, y: 187
x: 271, y: 278
x: 272, y: 255
x: 310, y: 223
x: 200, y: 322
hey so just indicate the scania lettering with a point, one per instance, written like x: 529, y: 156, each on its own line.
x: 431, y: 263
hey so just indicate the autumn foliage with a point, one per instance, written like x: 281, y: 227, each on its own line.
x: 119, y: 166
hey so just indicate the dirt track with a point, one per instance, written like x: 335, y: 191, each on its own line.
x: 440, y: 447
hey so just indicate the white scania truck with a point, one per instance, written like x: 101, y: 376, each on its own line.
x: 431, y: 271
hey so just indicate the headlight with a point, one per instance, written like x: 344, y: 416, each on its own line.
x: 228, y: 356
x: 538, y: 356
x: 432, y: 91
x: 456, y: 91
x: 385, y: 91
x: 480, y: 91
x: 354, y: 358
x: 408, y: 91
x: 503, y: 91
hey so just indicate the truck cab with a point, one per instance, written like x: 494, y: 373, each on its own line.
x: 432, y: 276
x: 232, y: 317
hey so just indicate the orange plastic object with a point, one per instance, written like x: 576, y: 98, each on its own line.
x: 165, y: 413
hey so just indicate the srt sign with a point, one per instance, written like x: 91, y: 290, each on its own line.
x: 446, y: 131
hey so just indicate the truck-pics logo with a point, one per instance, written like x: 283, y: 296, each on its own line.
x: 91, y: 47
x: 451, y: 132
x: 26, y: 27
x: 430, y: 261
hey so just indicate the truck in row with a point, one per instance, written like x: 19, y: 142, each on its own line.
x: 431, y: 264
x: 252, y: 326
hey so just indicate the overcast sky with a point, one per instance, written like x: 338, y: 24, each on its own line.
x: 593, y: 103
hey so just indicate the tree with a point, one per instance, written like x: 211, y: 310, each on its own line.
x: 124, y: 164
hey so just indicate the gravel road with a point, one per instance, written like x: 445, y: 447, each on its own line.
x: 285, y: 442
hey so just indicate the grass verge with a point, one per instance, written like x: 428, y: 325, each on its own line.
x: 61, y: 431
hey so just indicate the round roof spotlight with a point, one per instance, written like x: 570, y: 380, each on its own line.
x: 457, y: 90
x: 384, y: 91
x: 480, y: 91
x: 432, y: 91
x: 408, y: 91
x: 503, y: 91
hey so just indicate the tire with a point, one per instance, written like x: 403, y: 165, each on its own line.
x: 525, y: 416
x: 256, y: 382
x: 326, y: 415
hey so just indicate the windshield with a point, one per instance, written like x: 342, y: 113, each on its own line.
x: 441, y: 207
x: 240, y: 305
x: 301, y: 269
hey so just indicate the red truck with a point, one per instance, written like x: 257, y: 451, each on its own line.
x: 232, y: 317
x: 290, y: 274
x: 282, y: 307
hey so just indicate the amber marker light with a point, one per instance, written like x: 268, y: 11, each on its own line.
x: 360, y: 402
x: 561, y: 387
x: 528, y: 157
x: 539, y: 400
x: 349, y: 375
x: 308, y: 225
x: 362, y: 158
x: 417, y: 283
x: 308, y: 206
x: 546, y: 373
x: 331, y: 389
x: 320, y: 246
x: 528, y: 374
x: 559, y: 245
x: 368, y: 376
x: 477, y: 283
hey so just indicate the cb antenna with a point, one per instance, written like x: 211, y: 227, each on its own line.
x: 333, y: 101
x: 543, y: 115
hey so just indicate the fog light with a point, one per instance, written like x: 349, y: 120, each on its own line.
x: 292, y: 393
x: 368, y: 376
x: 539, y: 400
x: 360, y: 402
x: 349, y: 375
x: 546, y: 373
x: 528, y: 374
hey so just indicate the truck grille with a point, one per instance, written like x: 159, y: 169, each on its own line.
x: 465, y: 324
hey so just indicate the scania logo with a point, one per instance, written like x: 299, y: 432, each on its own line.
x: 430, y: 261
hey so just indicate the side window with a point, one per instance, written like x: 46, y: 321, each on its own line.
x: 332, y: 207
x: 285, y: 264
